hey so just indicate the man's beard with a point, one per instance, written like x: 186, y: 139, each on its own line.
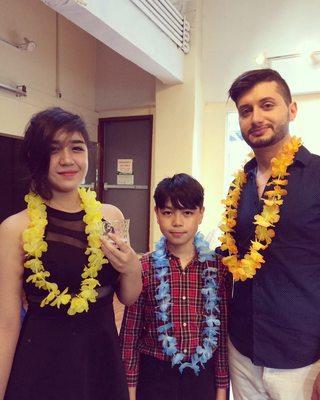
x: 277, y: 136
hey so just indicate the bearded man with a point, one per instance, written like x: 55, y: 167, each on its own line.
x: 271, y: 245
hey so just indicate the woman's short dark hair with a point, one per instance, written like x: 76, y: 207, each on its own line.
x: 182, y: 189
x: 35, y: 147
x: 249, y: 79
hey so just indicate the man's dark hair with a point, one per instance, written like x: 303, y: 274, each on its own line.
x: 183, y: 191
x: 249, y: 79
x: 35, y: 147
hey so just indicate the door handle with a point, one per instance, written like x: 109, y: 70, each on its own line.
x: 135, y: 187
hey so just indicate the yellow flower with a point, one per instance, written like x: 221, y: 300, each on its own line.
x: 273, y: 201
x: 282, y: 182
x: 35, y: 248
x: 260, y: 220
x: 231, y: 262
x: 271, y: 213
x: 255, y: 256
x: 293, y: 145
x: 52, y: 287
x: 34, y: 264
x: 89, y: 294
x: 94, y: 242
x: 91, y: 283
x: 48, y: 299
x: 34, y: 245
x: 264, y: 235
x: 247, y: 266
x: 277, y: 192
x: 240, y: 178
x: 78, y: 305
x: 89, y: 273
x: 257, y: 246
x: 62, y: 298
x: 228, y: 242
x: 38, y: 276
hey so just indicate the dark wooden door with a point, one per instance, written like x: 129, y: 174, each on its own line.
x: 130, y: 139
x: 14, y: 184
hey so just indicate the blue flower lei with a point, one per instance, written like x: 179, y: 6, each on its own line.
x: 209, y: 291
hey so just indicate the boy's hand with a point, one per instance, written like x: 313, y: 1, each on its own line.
x: 120, y: 254
x: 221, y: 394
x: 132, y: 393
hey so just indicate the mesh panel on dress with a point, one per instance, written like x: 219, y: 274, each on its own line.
x: 66, y: 231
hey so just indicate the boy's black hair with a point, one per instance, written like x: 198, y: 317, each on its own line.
x: 182, y: 189
x: 249, y: 79
x: 35, y: 147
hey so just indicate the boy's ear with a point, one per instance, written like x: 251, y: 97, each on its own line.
x: 156, y: 212
x: 201, y: 214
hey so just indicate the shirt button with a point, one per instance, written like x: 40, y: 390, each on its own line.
x: 183, y: 273
x: 185, y: 351
x: 183, y: 297
x: 184, y: 324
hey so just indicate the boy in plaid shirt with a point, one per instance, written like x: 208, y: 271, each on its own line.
x: 174, y: 338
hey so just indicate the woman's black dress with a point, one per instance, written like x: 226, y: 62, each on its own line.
x: 63, y: 357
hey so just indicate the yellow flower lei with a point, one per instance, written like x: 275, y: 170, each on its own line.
x: 34, y: 245
x: 246, y: 267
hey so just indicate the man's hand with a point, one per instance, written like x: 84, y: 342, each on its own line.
x: 316, y: 389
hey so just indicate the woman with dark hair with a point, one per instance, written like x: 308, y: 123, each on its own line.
x: 67, y: 347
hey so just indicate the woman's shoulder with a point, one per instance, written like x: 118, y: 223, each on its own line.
x: 111, y: 212
x: 11, y: 230
x: 16, y: 223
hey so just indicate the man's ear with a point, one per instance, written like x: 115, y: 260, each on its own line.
x: 293, y: 109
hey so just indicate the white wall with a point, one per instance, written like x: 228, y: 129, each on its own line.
x: 92, y: 78
x: 120, y: 84
x: 125, y: 28
x: 37, y: 69
x: 235, y: 32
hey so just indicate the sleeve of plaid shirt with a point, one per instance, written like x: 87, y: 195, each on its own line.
x: 221, y: 359
x: 131, y: 328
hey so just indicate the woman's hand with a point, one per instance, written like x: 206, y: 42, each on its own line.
x: 123, y: 258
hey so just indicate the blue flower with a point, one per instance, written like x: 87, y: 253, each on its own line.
x: 177, y: 358
x: 193, y: 364
x: 211, y: 321
x: 161, y: 273
x: 165, y: 303
x: 162, y: 316
x: 209, y: 291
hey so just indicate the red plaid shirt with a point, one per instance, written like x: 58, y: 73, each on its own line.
x: 139, y: 325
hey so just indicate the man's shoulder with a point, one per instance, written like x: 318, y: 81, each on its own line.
x: 308, y: 158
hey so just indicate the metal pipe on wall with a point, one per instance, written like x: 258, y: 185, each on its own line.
x: 19, y: 90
